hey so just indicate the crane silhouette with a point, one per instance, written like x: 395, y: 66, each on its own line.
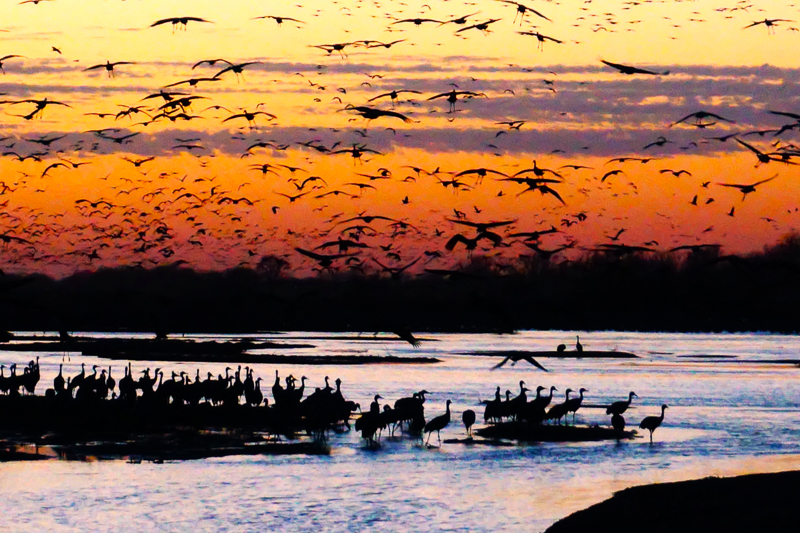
x: 250, y: 116
x: 699, y: 116
x: 618, y: 423
x: 371, y: 113
x: 437, y: 424
x: 575, y: 403
x: 468, y: 417
x: 278, y: 20
x: 540, y: 38
x: 762, y: 157
x: 747, y: 189
x: 325, y: 261
x: 178, y: 22
x: 559, y: 411
x: 651, y: 423
x: 522, y: 10
x: 336, y: 47
x: 769, y: 23
x: 109, y: 66
x: 393, y: 95
x: 625, y: 69
x: 482, y: 26
x: 618, y: 408
x: 452, y: 97
x: 519, y: 356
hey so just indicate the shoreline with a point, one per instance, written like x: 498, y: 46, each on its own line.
x: 748, y: 502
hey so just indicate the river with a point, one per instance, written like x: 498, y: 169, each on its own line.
x: 726, y: 416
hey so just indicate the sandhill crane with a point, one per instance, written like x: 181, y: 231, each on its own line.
x: 58, y: 382
x: 452, y: 97
x: 369, y: 423
x: 437, y: 424
x: 625, y: 69
x: 769, y: 23
x: 618, y: 423
x: 493, y: 411
x: 178, y: 22
x: 393, y: 95
x: 109, y: 66
x: 519, y: 356
x: 540, y: 38
x: 77, y: 381
x: 559, y: 411
x: 575, y: 403
x: 278, y: 20
x: 747, y: 189
x: 651, y: 423
x: 617, y: 408
x: 468, y: 417
x: 522, y: 10
x: 371, y: 113
x: 698, y: 116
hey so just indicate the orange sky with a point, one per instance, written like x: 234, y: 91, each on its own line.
x: 575, y: 111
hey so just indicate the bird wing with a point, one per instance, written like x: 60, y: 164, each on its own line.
x: 545, y: 18
x: 534, y: 362
x: 312, y: 255
x: 394, y: 114
x: 751, y: 148
x: 544, y: 189
x: 463, y: 222
x: 610, y: 173
x: 455, y: 239
x: 441, y: 95
x: 163, y: 21
x: 636, y: 70
x: 408, y: 337
x: 621, y: 68
x: 764, y: 181
x: 719, y: 117
x: 379, y: 96
x: 501, y: 363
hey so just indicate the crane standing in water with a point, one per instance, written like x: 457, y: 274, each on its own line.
x: 651, y: 423
x: 437, y: 424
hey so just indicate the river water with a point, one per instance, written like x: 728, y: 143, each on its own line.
x: 726, y: 416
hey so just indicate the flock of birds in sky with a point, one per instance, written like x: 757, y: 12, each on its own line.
x: 143, y: 185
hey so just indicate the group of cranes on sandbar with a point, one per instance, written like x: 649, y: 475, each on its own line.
x: 411, y: 411
x: 322, y: 410
x: 535, y: 411
x: 154, y: 390
x: 27, y: 380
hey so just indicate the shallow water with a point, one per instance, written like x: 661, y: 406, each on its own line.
x: 723, y: 418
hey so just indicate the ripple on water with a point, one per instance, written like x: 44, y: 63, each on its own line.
x: 724, y: 418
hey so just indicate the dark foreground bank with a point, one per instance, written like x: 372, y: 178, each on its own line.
x: 754, y: 502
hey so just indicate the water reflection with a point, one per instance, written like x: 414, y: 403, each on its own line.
x: 724, y: 418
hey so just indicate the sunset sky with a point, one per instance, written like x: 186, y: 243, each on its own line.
x: 114, y: 178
